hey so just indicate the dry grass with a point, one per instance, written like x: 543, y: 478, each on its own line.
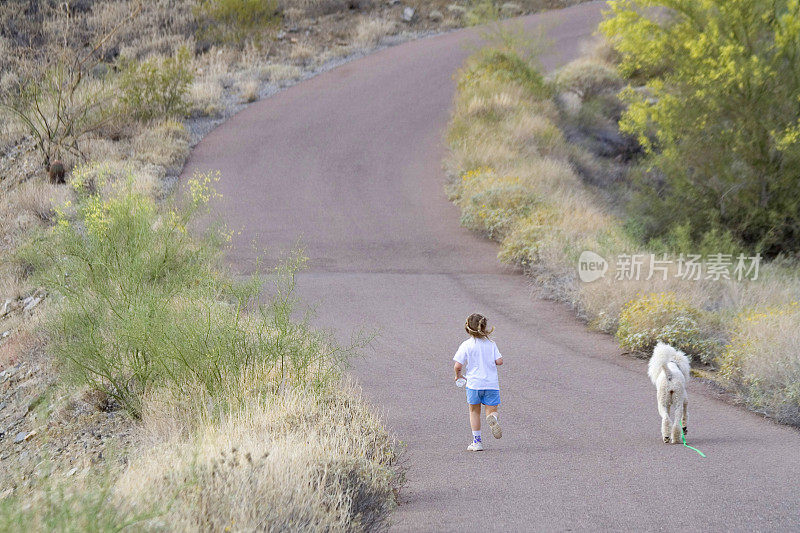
x: 40, y: 199
x: 212, y: 76
x: 599, y: 50
x: 205, y: 98
x: 302, y: 53
x: 11, y: 132
x: 588, y: 77
x: 249, y: 90
x: 371, y: 32
x: 13, y: 286
x: 105, y: 149
x: 279, y: 72
x: 293, y: 462
x: 164, y: 144
x: 761, y: 362
x: 161, y: 29
x: 15, y: 348
x: 26, y: 208
x: 512, y: 176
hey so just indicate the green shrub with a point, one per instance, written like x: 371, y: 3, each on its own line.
x: 480, y: 12
x: 156, y: 87
x: 681, y: 239
x: 232, y: 21
x: 504, y: 66
x: 522, y: 244
x: 663, y: 317
x: 492, y: 203
x: 495, y: 209
x: 141, y: 305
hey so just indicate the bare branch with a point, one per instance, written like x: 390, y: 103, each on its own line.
x: 114, y: 30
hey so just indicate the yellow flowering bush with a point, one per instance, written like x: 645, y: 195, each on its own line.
x: 201, y: 188
x: 90, y: 178
x: 62, y: 215
x: 762, y: 361
x: 663, y: 317
x: 523, y: 243
x: 95, y: 215
x: 124, y: 269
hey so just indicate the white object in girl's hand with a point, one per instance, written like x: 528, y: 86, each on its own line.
x: 460, y: 382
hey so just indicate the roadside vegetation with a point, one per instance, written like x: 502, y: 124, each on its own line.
x: 580, y: 160
x: 142, y: 385
x: 244, y: 418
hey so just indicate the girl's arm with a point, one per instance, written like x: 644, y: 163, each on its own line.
x: 457, y: 368
x: 498, y: 361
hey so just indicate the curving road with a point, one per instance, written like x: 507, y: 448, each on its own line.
x: 350, y: 163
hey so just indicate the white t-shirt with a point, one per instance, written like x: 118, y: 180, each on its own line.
x: 478, y: 356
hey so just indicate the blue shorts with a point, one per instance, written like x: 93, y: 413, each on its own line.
x: 484, y: 396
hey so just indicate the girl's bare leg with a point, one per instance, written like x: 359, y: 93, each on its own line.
x: 475, y: 417
x: 493, y: 421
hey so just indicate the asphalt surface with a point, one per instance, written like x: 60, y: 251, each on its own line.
x: 349, y: 164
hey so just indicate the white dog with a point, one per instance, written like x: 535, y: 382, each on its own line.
x: 669, y: 372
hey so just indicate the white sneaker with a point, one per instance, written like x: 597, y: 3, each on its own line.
x: 494, y: 424
x: 475, y: 447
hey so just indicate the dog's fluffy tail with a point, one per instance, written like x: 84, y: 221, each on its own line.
x: 667, y: 371
x: 663, y: 354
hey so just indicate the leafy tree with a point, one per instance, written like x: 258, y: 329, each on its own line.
x: 719, y: 118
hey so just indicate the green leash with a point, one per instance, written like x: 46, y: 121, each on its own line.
x: 683, y: 437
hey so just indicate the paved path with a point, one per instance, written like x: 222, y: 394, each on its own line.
x: 350, y: 162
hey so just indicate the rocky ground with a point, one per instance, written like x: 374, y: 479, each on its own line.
x: 44, y: 426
